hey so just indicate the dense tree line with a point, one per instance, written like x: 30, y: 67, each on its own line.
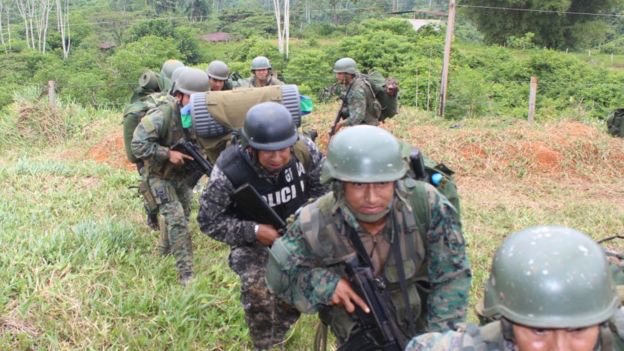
x: 557, y: 24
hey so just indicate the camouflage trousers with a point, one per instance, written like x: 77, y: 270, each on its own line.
x: 268, y: 317
x: 174, y: 205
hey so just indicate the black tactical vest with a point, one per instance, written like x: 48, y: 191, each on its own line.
x: 285, y: 195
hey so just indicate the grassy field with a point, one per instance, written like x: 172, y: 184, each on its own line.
x: 80, y: 269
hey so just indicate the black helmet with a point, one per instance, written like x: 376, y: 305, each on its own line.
x: 269, y: 126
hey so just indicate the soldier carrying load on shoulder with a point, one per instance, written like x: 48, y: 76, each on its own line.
x: 165, y: 175
x: 550, y: 289
x: 284, y: 167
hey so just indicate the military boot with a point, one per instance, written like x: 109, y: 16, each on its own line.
x: 185, y: 278
x: 152, y: 221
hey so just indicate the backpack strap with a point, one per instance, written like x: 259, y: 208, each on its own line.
x: 419, y: 200
x: 167, y: 111
x: 302, y: 153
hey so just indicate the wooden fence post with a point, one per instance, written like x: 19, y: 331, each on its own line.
x: 52, y: 94
x: 532, y: 98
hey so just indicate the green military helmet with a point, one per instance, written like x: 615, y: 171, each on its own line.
x: 169, y: 66
x: 218, y: 70
x: 345, y: 65
x: 550, y: 277
x: 190, y: 81
x: 260, y: 62
x: 269, y: 126
x: 176, y: 73
x: 364, y: 154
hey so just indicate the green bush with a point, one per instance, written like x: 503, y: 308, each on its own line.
x: 128, y: 62
x: 310, y: 70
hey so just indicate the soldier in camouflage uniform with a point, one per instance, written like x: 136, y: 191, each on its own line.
x: 153, y: 90
x: 261, y: 73
x: 550, y: 289
x: 164, y: 172
x: 284, y: 168
x: 397, y: 219
x: 361, y: 106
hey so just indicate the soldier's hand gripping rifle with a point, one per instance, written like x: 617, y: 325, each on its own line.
x: 249, y: 201
x: 199, y: 162
x: 379, y: 329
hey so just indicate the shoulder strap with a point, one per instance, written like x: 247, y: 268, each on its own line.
x: 234, y: 166
x: 302, y: 153
x: 166, y: 111
x: 419, y: 200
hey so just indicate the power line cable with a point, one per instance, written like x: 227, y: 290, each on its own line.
x: 497, y: 8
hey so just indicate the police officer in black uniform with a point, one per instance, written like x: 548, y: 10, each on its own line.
x: 284, y: 167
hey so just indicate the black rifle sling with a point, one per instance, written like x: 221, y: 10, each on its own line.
x: 398, y: 259
x: 360, y: 250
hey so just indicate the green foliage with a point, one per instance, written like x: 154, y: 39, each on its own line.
x: 261, y: 25
x: 256, y: 46
x: 183, y: 36
x: 309, y: 69
x: 614, y: 47
x: 157, y: 27
x: 468, y: 94
x: 131, y: 60
x: 524, y: 42
x: 551, y: 30
x: 187, y: 45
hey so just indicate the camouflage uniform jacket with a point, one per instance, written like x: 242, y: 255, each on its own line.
x: 215, y: 219
x: 158, y: 130
x: 304, y: 269
x: 361, y: 102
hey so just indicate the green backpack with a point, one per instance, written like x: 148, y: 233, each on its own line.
x: 615, y: 123
x: 134, y: 112
x: 437, y: 174
x: 389, y: 102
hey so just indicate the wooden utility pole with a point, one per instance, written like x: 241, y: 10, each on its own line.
x: 52, y: 94
x: 532, y: 99
x: 450, y: 29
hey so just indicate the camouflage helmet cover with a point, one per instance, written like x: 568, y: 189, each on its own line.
x: 345, y: 65
x: 169, y: 66
x: 364, y: 154
x: 190, y: 81
x: 269, y: 126
x: 260, y: 62
x: 218, y: 70
x: 550, y: 277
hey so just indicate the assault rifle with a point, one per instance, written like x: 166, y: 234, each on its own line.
x: 199, y: 163
x: 343, y: 113
x: 249, y: 201
x: 379, y: 329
